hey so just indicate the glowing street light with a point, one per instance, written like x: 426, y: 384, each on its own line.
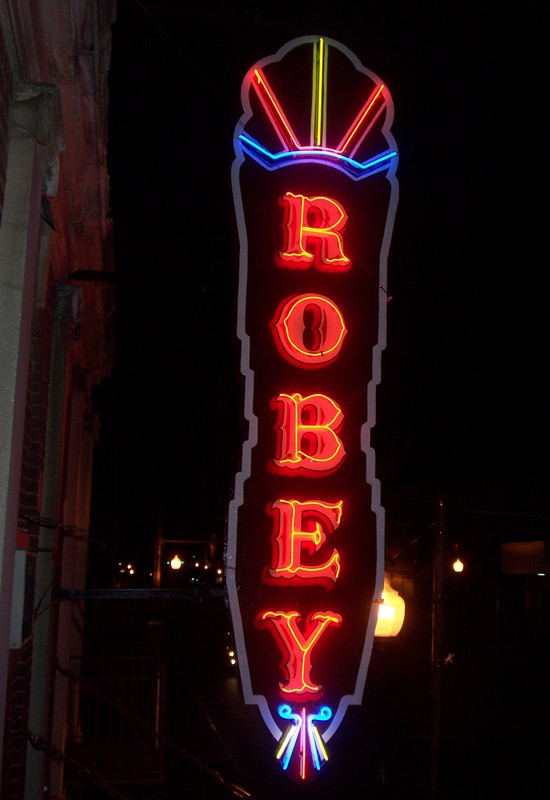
x: 391, y: 612
x: 160, y: 559
x: 176, y: 562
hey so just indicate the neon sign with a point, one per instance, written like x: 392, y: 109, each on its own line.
x: 310, y: 222
x: 310, y: 330
x: 300, y: 528
x: 315, y: 194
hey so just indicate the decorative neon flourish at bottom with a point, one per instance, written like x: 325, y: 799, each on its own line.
x: 303, y: 730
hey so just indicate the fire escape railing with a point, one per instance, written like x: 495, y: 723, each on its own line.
x: 116, y: 718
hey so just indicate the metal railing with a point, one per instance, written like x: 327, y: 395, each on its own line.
x: 117, y: 717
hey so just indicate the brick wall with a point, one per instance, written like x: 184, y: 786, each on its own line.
x: 15, y: 744
x: 36, y: 413
x: 6, y: 88
x: 19, y: 665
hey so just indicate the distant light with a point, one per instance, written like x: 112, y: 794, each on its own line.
x: 458, y: 565
x: 197, y: 564
x: 220, y: 571
x: 176, y: 562
x: 129, y: 568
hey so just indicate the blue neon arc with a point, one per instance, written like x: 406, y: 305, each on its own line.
x: 357, y: 169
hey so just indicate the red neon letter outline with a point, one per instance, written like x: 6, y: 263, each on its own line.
x: 314, y: 222
x: 316, y: 318
x: 297, y: 647
x: 308, y: 433
x: 302, y: 528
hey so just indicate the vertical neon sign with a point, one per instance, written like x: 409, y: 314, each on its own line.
x: 315, y: 194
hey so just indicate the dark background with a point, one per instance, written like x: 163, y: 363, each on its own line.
x: 463, y: 404
x: 464, y: 393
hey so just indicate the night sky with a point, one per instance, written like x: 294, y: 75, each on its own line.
x: 465, y: 391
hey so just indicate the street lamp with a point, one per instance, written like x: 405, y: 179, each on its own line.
x: 176, y: 562
x: 458, y: 565
x: 160, y: 544
x: 391, y: 612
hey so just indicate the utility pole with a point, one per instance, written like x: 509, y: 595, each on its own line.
x: 439, y: 573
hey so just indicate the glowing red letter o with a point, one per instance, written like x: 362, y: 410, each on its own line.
x: 314, y: 318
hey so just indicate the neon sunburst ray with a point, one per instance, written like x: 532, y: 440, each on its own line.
x: 317, y: 149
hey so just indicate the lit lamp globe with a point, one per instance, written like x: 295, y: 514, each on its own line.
x: 176, y: 562
x: 391, y: 612
x: 458, y: 565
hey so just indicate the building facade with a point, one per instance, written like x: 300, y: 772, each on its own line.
x: 57, y: 343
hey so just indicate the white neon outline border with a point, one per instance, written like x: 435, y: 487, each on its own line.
x: 231, y: 547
